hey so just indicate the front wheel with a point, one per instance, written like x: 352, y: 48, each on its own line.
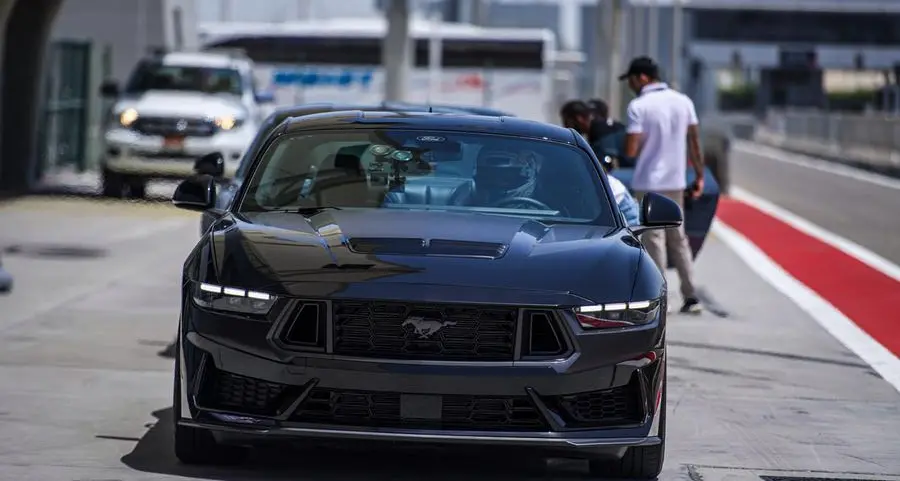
x: 639, y: 462
x: 113, y: 184
x: 196, y: 445
x: 137, y: 188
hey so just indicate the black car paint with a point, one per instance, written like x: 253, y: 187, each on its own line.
x: 545, y: 266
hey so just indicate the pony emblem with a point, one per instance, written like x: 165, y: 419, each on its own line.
x: 425, y: 328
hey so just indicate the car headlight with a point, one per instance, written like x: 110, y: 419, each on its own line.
x: 228, y: 122
x: 128, y: 117
x: 624, y: 314
x: 233, y: 299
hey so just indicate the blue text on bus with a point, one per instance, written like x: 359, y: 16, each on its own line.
x: 309, y: 77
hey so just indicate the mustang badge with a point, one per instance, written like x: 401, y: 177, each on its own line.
x: 425, y: 328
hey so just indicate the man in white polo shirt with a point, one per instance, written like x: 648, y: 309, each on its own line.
x: 662, y: 133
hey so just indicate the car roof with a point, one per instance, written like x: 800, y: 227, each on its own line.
x: 319, y: 107
x: 463, y: 122
x: 202, y: 59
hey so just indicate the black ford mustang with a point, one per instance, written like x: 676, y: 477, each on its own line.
x: 422, y: 277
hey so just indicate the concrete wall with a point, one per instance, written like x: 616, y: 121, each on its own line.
x: 131, y: 27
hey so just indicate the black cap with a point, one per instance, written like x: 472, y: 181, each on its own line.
x: 641, y: 66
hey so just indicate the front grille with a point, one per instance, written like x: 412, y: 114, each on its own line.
x: 227, y: 391
x: 174, y: 126
x: 608, y: 407
x: 164, y: 155
x: 390, y: 409
x: 424, y: 331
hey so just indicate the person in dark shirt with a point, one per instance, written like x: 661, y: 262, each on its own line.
x: 576, y: 114
x: 605, y: 134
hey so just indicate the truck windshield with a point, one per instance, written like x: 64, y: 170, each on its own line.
x: 156, y: 76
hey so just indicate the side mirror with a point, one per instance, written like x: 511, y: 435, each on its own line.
x: 658, y: 212
x: 196, y: 193
x: 264, y: 98
x: 212, y: 164
x: 109, y: 89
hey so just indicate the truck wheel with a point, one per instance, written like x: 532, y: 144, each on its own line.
x: 137, y: 188
x: 113, y: 184
x: 6, y: 281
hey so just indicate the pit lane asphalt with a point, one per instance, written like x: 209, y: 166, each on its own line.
x: 85, y: 394
x: 863, y: 212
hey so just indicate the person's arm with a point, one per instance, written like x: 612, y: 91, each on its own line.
x: 633, y: 134
x: 630, y: 209
x: 695, y: 152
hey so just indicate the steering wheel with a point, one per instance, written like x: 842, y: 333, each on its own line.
x: 523, y: 200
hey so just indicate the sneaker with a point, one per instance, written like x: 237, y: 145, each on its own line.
x: 691, y: 306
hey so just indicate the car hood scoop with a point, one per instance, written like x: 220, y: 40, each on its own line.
x: 426, y: 247
x: 433, y: 255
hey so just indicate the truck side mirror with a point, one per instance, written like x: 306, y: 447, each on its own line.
x: 109, y: 89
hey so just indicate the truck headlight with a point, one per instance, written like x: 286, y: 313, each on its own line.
x: 128, y: 117
x: 624, y: 314
x: 228, y: 122
x: 233, y: 299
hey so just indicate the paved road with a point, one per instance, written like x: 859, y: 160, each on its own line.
x: 864, y: 212
x: 85, y: 394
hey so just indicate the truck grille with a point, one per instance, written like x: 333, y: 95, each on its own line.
x: 174, y: 126
x: 385, y: 409
x: 424, y: 331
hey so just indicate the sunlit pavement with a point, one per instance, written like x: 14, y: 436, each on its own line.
x: 85, y: 393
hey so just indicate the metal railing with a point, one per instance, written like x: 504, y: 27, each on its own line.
x: 870, y: 139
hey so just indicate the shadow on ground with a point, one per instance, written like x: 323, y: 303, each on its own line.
x: 153, y: 454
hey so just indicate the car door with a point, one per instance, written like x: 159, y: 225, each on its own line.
x: 698, y: 213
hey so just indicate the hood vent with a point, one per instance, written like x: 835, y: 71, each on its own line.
x: 422, y: 247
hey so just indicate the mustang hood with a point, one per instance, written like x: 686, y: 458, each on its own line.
x: 428, y: 256
x: 188, y: 104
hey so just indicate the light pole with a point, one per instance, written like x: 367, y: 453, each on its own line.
x: 396, y: 52
x: 600, y: 57
x: 653, y: 30
x: 435, y: 57
x: 677, y: 42
x: 618, y: 21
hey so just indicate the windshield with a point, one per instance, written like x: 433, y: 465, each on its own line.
x: 427, y: 170
x: 156, y: 76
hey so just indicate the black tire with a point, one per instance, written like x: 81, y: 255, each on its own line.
x: 639, y: 462
x: 137, y: 188
x: 6, y: 282
x: 113, y: 185
x: 198, y: 446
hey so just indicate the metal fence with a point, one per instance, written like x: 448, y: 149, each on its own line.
x: 872, y: 139
x: 70, y: 128
x: 64, y: 124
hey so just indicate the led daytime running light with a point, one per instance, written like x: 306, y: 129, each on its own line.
x: 618, y: 314
x: 233, y: 299
x: 231, y: 291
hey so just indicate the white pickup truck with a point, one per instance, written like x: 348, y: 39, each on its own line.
x: 175, y: 108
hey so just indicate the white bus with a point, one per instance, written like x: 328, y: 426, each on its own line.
x: 507, y: 69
